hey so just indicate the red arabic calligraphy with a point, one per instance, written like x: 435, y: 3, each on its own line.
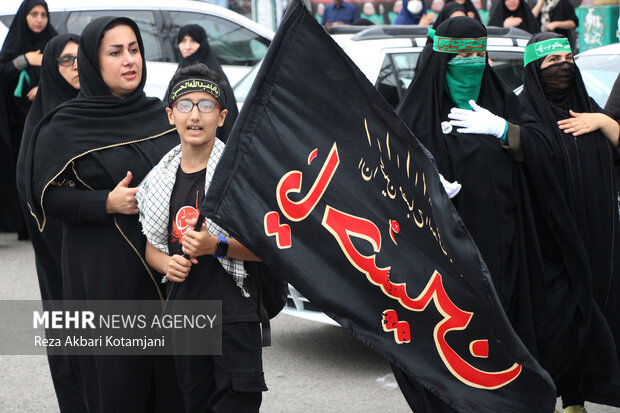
x: 343, y: 227
x: 282, y: 232
x: 291, y: 182
x: 402, y: 330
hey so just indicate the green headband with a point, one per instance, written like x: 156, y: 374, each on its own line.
x: 538, y: 50
x: 197, y: 85
x: 457, y: 45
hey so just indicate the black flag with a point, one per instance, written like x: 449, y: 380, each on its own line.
x: 323, y: 181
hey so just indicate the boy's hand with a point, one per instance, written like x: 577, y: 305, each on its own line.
x: 178, y: 268
x: 196, y: 244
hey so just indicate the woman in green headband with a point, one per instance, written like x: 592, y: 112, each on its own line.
x: 491, y: 203
x: 574, y: 187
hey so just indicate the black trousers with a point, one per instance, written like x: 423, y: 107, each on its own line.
x: 232, y: 382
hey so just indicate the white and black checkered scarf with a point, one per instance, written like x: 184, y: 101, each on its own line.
x: 154, y: 203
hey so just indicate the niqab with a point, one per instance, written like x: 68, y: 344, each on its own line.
x: 500, y: 12
x: 204, y: 55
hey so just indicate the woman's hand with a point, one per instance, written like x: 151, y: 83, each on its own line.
x: 427, y: 19
x: 512, y: 21
x: 178, y: 268
x: 33, y: 93
x: 122, y: 199
x: 34, y: 58
x: 582, y: 123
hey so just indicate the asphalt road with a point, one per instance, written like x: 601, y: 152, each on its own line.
x: 309, y: 368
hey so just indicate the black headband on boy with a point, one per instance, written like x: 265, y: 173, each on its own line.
x: 186, y: 86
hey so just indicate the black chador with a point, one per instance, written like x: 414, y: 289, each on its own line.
x: 448, y: 10
x: 492, y: 202
x: 500, y: 12
x: 469, y: 7
x: 574, y: 189
x: 206, y: 56
x: 77, y: 154
x: 53, y: 91
x: 13, y: 109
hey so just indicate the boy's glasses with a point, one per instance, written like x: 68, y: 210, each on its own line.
x: 204, y: 106
x: 66, y: 60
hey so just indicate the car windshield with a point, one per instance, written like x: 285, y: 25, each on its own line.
x: 508, y: 66
x: 599, y: 72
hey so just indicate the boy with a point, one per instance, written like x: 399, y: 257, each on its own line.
x: 169, y: 199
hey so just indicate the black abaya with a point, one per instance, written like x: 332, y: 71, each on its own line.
x: 76, y: 156
x: 500, y: 12
x: 19, y: 40
x: 492, y: 202
x: 469, y: 8
x: 573, y: 186
x: 612, y: 107
x: 53, y: 91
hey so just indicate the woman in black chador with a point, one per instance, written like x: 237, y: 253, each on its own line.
x: 470, y: 9
x: 514, y: 13
x: 574, y: 192
x: 194, y: 48
x: 557, y: 16
x: 78, y: 167
x: 452, y: 9
x: 492, y: 203
x: 58, y: 84
x: 20, y: 69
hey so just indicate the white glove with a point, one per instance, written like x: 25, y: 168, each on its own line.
x: 479, y: 120
x: 451, y: 188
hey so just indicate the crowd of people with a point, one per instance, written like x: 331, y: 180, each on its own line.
x: 538, y: 194
x: 544, y: 15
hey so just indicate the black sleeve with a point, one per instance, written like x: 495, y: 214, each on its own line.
x: 496, y: 17
x: 612, y: 107
x: 76, y: 205
x: 8, y: 71
x: 565, y: 11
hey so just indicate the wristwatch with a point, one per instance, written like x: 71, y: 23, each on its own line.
x: 222, y: 247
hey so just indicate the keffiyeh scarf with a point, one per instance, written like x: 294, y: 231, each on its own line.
x: 154, y: 203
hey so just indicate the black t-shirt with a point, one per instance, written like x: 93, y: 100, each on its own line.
x: 207, y: 280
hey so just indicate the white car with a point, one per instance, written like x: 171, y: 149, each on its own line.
x: 388, y: 56
x: 599, y: 68
x: 238, y: 42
